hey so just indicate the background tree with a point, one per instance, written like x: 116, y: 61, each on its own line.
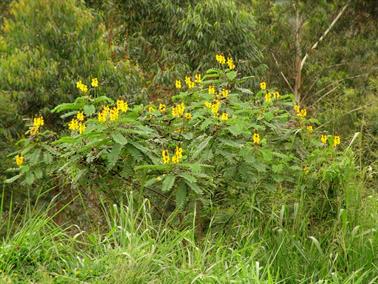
x: 170, y: 39
x: 47, y: 46
x: 338, y: 78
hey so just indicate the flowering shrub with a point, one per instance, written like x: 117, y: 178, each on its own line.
x: 212, y: 137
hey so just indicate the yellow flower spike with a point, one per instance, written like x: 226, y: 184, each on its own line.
x: 82, y: 87
x: 178, y: 84
x: 122, y: 106
x: 106, y: 110
x: 178, y: 110
x: 207, y: 105
x: 188, y: 116
x: 113, y: 114
x: 165, y: 156
x: 34, y: 130
x: 256, y: 138
x: 73, y: 125
x: 310, y: 129
x: 230, y: 63
x: 187, y: 79
x: 178, y: 153
x: 188, y: 82
x: 268, y: 97
x: 41, y: 121
x: 79, y: 84
x: 324, y: 139
x: 80, y: 116
x: 38, y: 122
x: 101, y: 117
x: 215, y: 108
x: 82, y: 128
x: 303, y: 113
x: 197, y: 78
x: 19, y: 160
x: 175, y: 159
x: 162, y: 108
x: 336, y: 140
x: 181, y: 109
x: 297, y: 108
x: 224, y: 116
x: 220, y: 59
x: 94, y: 83
x: 225, y: 93
x: 211, y: 90
x: 276, y: 95
x: 263, y: 86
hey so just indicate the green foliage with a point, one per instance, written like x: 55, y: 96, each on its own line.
x: 339, y: 74
x: 216, y: 142
x: 132, y: 249
x: 43, y: 55
x: 218, y: 181
x: 169, y: 39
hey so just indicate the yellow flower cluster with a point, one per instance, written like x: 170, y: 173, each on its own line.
x: 268, y: 97
x: 176, y: 158
x: 94, y: 83
x: 220, y: 58
x: 224, y: 116
x: 178, y: 110
x: 225, y: 93
x: 336, y: 140
x: 122, y: 106
x: 189, y: 83
x: 211, y: 90
x: 112, y: 113
x: 77, y: 124
x: 310, y: 129
x: 256, y: 138
x: 324, y: 138
x: 80, y: 116
x: 82, y: 87
x: 178, y: 84
x: 162, y: 108
x: 188, y: 115
x: 230, y: 63
x: 300, y: 112
x: 214, y: 106
x: 263, y: 86
x: 38, y: 122
x: 165, y: 157
x: 19, y: 160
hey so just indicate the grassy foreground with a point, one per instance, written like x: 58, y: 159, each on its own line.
x: 134, y: 249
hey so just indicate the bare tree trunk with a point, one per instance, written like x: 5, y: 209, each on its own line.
x: 298, y: 56
x: 299, y: 61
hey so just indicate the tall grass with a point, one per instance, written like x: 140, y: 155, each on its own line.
x: 134, y: 249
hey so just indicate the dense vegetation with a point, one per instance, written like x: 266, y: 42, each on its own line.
x: 188, y: 142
